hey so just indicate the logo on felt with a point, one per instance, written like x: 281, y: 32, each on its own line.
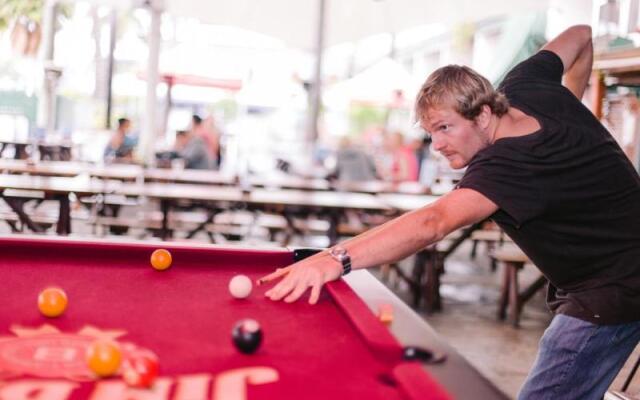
x: 46, y: 352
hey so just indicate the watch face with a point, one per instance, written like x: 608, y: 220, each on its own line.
x: 338, y: 252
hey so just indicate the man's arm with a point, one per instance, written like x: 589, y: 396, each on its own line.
x: 393, y: 241
x: 575, y: 49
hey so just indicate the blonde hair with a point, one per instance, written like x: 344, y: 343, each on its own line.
x: 461, y: 88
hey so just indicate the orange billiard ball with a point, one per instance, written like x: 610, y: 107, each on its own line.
x: 161, y: 259
x: 104, y: 357
x: 52, y: 302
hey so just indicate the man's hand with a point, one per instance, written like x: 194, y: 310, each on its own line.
x: 297, y: 278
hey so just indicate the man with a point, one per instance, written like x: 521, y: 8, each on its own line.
x: 541, y: 166
x: 404, y: 163
x: 207, y: 130
x: 121, y: 145
x: 353, y: 164
x: 193, y: 150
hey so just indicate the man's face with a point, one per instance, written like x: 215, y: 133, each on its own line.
x: 124, y: 128
x: 453, y: 136
x: 181, y: 141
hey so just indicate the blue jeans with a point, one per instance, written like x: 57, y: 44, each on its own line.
x: 578, y: 359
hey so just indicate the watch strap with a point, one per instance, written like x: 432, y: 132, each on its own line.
x: 343, y: 258
x: 346, y: 265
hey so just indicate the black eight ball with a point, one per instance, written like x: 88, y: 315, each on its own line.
x: 247, y: 335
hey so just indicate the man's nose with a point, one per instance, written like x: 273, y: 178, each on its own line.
x: 437, y: 142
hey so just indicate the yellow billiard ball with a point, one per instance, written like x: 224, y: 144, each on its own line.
x: 52, y: 302
x: 161, y: 259
x: 104, y: 358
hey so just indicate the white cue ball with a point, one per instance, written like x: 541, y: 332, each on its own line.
x: 240, y: 286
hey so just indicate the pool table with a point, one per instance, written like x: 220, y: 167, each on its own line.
x: 336, y: 349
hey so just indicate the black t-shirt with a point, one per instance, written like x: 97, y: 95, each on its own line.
x: 567, y: 195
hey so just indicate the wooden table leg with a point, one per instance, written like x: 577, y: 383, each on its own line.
x: 417, y: 276
x: 211, y: 214
x: 514, y: 294
x: 504, y: 293
x: 64, y: 215
x: 432, y: 293
x: 434, y: 269
x: 292, y: 230
x: 165, y: 207
x: 17, y: 205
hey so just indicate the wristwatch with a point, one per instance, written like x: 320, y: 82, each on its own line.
x: 341, y: 255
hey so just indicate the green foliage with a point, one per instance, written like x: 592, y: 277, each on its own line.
x: 12, y: 9
x: 29, y: 9
x: 362, y: 117
x: 227, y: 107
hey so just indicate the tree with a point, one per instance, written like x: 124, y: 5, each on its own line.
x: 25, y: 20
x: 11, y: 10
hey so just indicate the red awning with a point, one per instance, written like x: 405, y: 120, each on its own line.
x: 196, y: 80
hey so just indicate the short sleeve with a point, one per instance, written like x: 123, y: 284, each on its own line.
x: 510, y: 185
x: 545, y: 65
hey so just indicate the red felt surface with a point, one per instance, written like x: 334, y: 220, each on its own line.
x: 333, y: 350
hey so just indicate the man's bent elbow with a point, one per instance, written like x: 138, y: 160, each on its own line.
x: 584, y: 32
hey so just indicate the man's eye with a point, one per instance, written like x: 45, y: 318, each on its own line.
x: 444, y: 128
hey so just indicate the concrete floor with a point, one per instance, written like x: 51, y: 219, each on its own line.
x: 468, y: 321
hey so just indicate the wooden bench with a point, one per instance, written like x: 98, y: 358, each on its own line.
x: 424, y: 278
x: 232, y: 225
x: 44, y: 220
x: 616, y: 395
x: 34, y: 204
x: 432, y: 261
x: 147, y: 221
x: 276, y: 223
x: 622, y: 394
x: 511, y: 297
x: 492, y: 238
x: 112, y: 200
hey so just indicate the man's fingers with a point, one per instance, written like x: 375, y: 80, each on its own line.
x: 282, y: 288
x: 315, y: 293
x: 294, y: 284
x: 298, y: 291
x: 274, y: 275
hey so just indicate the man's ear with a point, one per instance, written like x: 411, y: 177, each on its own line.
x: 484, y: 118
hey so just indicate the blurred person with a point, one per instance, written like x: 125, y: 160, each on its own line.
x: 353, y: 164
x: 209, y: 132
x: 193, y: 150
x: 373, y: 136
x: 420, y: 146
x: 121, y: 145
x: 404, y: 163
